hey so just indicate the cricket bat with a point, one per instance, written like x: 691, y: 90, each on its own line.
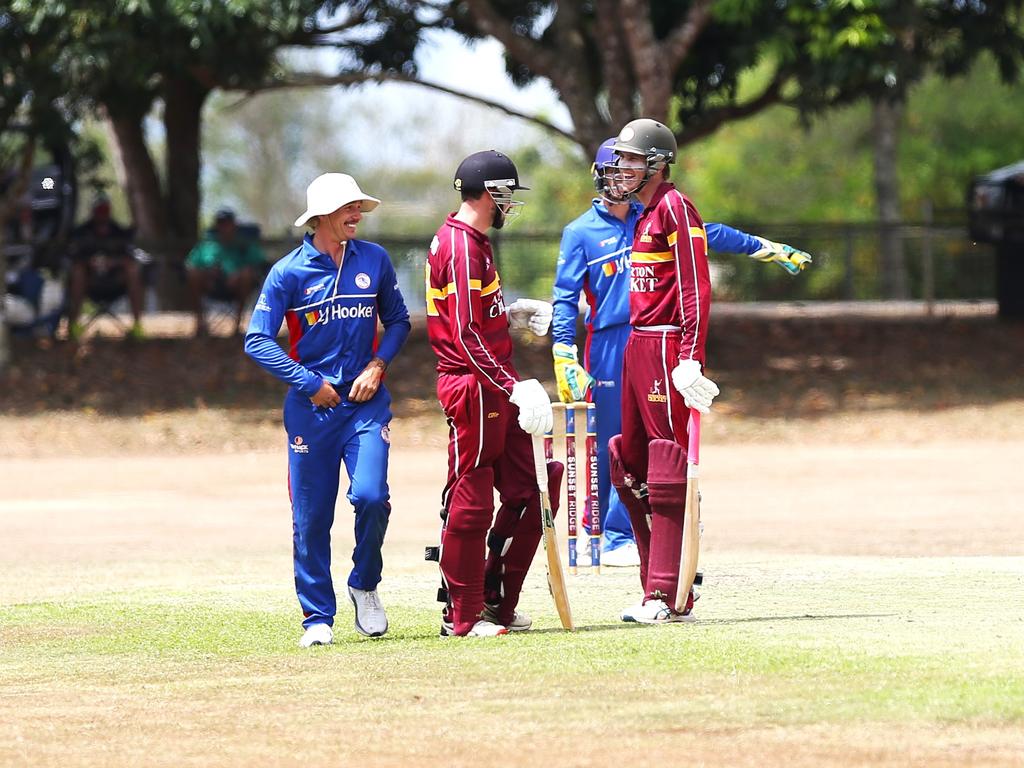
x: 556, y: 577
x: 691, y: 520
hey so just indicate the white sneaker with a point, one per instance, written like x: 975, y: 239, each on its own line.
x: 520, y: 621
x: 370, y: 617
x: 658, y: 612
x: 482, y: 628
x: 317, y: 634
x: 626, y: 556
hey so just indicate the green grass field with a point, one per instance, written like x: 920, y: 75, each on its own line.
x: 150, y: 620
x: 858, y: 650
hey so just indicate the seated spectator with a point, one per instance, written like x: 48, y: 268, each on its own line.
x: 103, y: 267
x: 225, y: 265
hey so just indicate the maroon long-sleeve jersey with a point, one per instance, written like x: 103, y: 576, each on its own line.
x: 466, y: 319
x: 669, y: 280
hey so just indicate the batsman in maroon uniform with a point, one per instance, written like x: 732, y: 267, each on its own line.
x: 669, y: 302
x: 491, y: 412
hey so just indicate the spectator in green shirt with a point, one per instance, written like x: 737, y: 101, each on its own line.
x: 224, y: 265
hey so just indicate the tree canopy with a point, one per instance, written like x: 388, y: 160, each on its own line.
x: 126, y: 56
x: 681, y: 61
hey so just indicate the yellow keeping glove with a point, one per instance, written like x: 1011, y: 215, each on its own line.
x: 573, y: 379
x: 789, y: 258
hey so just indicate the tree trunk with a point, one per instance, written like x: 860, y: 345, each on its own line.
x: 615, y: 71
x: 886, y: 114
x: 142, y: 185
x: 5, y: 339
x: 8, y: 205
x: 183, y: 107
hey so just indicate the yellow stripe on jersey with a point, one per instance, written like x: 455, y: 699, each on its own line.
x: 440, y: 294
x: 650, y: 258
x: 431, y: 307
x: 494, y: 285
x: 695, y: 231
x: 434, y: 295
x: 312, y: 317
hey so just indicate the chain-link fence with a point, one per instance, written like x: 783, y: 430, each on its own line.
x: 938, y: 262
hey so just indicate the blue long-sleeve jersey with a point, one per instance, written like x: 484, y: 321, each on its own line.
x: 331, y: 313
x: 594, y: 259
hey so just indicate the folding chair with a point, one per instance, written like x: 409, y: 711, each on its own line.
x: 219, y: 303
x: 107, y: 290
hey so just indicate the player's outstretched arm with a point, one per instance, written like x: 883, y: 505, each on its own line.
x: 726, y: 239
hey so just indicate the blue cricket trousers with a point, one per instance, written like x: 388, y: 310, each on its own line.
x: 319, y: 440
x: 605, y: 349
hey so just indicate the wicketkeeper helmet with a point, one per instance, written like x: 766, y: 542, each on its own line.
x: 604, y: 159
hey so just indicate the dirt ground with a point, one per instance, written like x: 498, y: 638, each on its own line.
x: 818, y: 498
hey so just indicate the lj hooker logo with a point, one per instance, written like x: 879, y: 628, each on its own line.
x: 655, y: 396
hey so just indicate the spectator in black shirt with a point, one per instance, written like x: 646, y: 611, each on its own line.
x: 103, y: 267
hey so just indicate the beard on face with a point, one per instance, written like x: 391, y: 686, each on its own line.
x: 498, y: 220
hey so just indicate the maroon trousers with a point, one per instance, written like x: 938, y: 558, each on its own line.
x: 653, y: 451
x: 487, y: 450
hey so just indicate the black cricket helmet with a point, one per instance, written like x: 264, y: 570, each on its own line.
x: 492, y: 172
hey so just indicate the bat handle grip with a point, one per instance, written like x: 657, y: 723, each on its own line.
x: 693, y: 441
x: 540, y: 466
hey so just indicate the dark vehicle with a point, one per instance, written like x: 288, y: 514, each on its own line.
x: 35, y: 235
x: 995, y: 205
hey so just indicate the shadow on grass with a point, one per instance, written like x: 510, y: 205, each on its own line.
x: 627, y: 625
x: 803, y: 617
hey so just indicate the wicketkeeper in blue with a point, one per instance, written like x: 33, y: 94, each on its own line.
x: 331, y: 291
x: 593, y: 259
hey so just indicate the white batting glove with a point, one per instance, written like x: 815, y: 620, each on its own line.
x: 535, y: 415
x: 697, y: 390
x: 532, y: 314
x: 786, y: 256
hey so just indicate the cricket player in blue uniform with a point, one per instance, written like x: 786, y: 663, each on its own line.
x: 593, y: 259
x: 331, y: 291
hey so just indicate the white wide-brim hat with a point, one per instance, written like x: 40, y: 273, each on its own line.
x: 331, y: 191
